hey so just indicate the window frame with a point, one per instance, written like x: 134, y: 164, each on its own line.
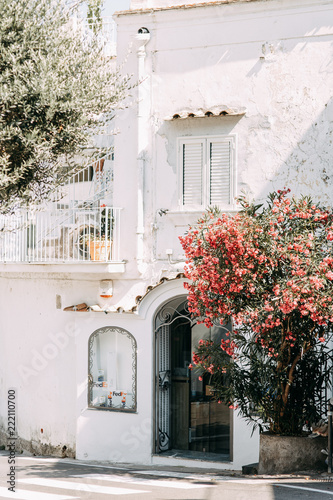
x: 206, y: 140
x: 93, y: 336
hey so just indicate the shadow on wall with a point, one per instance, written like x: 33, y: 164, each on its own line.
x: 193, y: 127
x: 275, y: 62
x: 308, y: 169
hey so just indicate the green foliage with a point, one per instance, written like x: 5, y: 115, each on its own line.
x: 55, y: 85
x: 253, y: 384
x: 94, y: 15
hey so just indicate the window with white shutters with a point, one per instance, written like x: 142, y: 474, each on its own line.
x: 193, y: 173
x: 207, y: 171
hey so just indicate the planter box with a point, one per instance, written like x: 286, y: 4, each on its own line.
x: 100, y: 250
x: 286, y: 454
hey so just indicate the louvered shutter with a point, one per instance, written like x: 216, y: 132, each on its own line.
x: 219, y: 172
x: 193, y: 164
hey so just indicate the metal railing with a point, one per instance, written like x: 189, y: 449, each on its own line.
x: 106, y: 33
x: 64, y: 235
x: 91, y: 183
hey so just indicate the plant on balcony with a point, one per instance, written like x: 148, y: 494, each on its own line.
x: 99, y: 238
x: 270, y: 269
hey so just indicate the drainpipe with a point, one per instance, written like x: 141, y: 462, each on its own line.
x: 143, y: 113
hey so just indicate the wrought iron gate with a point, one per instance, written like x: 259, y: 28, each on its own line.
x: 164, y: 387
x: 167, y: 315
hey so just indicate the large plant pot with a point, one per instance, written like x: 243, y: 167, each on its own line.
x: 99, y: 250
x: 286, y: 454
x: 98, y: 165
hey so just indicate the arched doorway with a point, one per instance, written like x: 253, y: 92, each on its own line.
x: 189, y: 423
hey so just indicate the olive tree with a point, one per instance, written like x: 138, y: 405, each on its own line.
x: 56, y: 87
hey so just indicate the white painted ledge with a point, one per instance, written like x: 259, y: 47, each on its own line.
x: 64, y: 268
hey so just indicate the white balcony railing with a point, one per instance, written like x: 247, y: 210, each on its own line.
x: 64, y: 235
x: 106, y: 33
x: 90, y: 184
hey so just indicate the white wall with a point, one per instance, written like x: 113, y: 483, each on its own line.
x: 37, y: 358
x: 44, y: 356
x: 111, y: 435
x: 273, y: 58
x: 114, y: 435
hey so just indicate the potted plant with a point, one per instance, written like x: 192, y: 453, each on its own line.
x: 99, y: 241
x: 270, y: 269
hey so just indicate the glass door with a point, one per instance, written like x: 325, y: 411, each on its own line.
x: 190, y: 422
x: 209, y: 420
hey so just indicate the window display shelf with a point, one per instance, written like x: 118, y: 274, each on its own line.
x: 112, y: 370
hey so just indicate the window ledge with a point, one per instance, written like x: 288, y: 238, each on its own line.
x: 64, y: 268
x: 185, y: 217
x: 118, y: 410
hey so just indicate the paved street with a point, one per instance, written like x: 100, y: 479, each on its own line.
x: 56, y: 479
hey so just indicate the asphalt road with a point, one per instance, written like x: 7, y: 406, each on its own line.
x: 55, y: 479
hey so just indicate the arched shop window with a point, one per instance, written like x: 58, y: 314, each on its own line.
x: 112, y: 370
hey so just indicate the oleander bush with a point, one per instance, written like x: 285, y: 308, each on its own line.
x: 270, y: 269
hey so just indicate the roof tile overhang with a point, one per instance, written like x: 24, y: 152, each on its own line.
x: 128, y: 305
x: 204, y: 113
x: 183, y: 6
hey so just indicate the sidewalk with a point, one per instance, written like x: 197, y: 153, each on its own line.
x: 181, y: 471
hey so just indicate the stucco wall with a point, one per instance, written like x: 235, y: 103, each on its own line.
x: 37, y: 359
x: 110, y: 435
x: 165, y: 4
x: 273, y: 58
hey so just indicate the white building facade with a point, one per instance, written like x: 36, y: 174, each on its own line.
x: 233, y: 96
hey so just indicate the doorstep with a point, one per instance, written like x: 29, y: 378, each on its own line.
x: 189, y: 463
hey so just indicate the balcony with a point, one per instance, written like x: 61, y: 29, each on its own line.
x: 79, y: 226
x: 66, y: 235
x: 106, y: 33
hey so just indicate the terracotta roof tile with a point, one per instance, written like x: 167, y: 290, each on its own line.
x: 183, y: 6
x: 126, y: 308
x: 219, y: 110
